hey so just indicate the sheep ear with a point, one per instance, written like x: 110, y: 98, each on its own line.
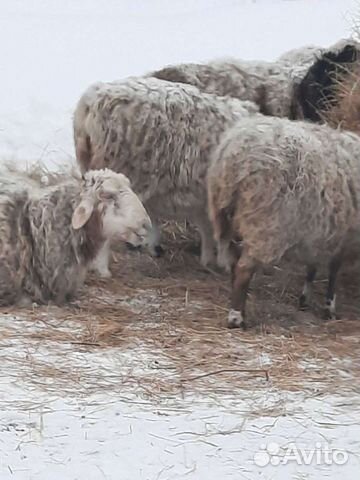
x: 82, y: 213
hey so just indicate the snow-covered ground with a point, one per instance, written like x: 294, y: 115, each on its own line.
x: 107, y: 439
x: 50, y: 50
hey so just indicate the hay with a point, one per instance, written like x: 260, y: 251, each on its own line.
x: 344, y: 112
x: 41, y: 174
x: 157, y: 330
x: 317, y: 90
x: 342, y: 109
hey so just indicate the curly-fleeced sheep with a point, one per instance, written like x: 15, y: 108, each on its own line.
x: 161, y: 135
x: 296, y: 86
x: 50, y: 234
x: 277, y: 186
x: 263, y: 83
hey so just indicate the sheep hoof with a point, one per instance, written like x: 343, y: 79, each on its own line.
x: 329, y: 310
x: 236, y: 319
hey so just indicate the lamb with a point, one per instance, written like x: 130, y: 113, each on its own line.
x: 298, y: 85
x: 278, y: 187
x: 161, y: 135
x: 49, y: 235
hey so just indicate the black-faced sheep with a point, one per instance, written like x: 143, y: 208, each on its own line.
x: 299, y: 85
x: 315, y: 93
x: 161, y: 135
x: 49, y: 235
x: 281, y: 187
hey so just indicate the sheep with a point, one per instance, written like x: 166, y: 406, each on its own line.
x: 297, y: 85
x: 263, y: 83
x: 315, y: 88
x: 278, y: 187
x: 305, y: 55
x: 49, y: 235
x: 160, y: 134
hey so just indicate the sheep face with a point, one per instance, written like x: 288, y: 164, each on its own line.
x: 109, y: 195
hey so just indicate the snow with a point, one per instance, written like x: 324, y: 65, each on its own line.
x: 50, y: 52
x: 112, y: 440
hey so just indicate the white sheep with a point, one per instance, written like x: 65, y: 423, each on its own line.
x: 161, y: 135
x: 265, y: 83
x: 297, y: 85
x: 306, y: 54
x: 279, y: 187
x: 49, y: 235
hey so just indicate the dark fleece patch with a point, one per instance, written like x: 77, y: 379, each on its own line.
x: 316, y: 91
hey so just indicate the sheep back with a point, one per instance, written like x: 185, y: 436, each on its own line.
x: 159, y: 134
x: 40, y: 254
x: 264, y: 83
x: 57, y: 261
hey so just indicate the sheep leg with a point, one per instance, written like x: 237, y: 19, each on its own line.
x: 228, y: 253
x: 208, y: 246
x: 224, y: 257
x: 330, y: 305
x: 100, y: 264
x: 306, y: 294
x: 243, y: 272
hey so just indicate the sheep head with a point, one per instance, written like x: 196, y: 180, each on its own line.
x: 109, y: 194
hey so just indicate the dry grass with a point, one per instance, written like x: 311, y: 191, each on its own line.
x: 344, y: 113
x: 158, y: 330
